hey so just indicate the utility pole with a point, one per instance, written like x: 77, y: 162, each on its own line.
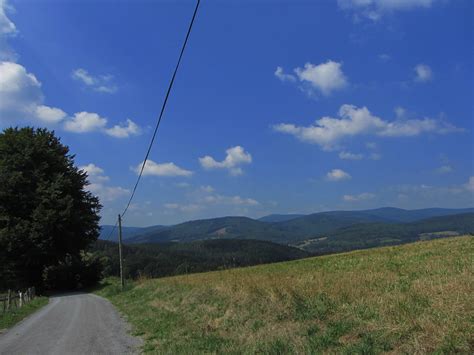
x: 120, y: 250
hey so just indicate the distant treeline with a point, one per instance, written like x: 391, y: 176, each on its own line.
x: 158, y: 260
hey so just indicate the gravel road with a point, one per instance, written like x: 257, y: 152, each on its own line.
x: 71, y: 324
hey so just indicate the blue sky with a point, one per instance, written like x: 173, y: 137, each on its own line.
x: 279, y: 106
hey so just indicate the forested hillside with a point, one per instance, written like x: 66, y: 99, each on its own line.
x: 157, y: 260
x: 348, y: 229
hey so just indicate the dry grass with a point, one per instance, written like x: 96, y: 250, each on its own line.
x: 415, y: 298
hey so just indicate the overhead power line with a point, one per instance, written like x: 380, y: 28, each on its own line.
x: 162, y: 110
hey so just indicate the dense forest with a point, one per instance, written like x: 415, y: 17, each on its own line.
x: 166, y: 259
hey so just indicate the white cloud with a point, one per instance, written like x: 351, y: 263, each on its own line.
x: 324, y: 78
x: 284, y: 77
x: 108, y: 193
x: 124, y: 131
x: 7, y: 27
x: 235, y: 156
x: 444, y: 169
x: 189, y: 208
x: 375, y: 9
x: 337, y: 175
x: 327, y: 132
x: 83, y: 75
x: 85, y: 122
x: 384, y: 57
x: 97, y: 184
x: 400, y: 112
x: 470, y: 184
x: 230, y: 200
x: 165, y: 169
x: 100, y: 83
x: 423, y: 73
x: 350, y: 156
x: 361, y: 197
x: 50, y: 114
x: 207, y: 188
x: 375, y: 156
x: 21, y: 98
x: 92, y: 170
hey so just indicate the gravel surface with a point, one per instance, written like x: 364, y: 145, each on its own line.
x: 78, y: 323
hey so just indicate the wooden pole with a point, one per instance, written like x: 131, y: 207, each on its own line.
x: 9, y: 299
x: 120, y: 251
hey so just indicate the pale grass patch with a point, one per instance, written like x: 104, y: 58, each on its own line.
x: 412, y: 297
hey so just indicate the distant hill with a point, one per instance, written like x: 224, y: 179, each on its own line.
x: 127, y: 232
x: 289, y: 231
x: 401, y: 215
x: 214, y: 228
x: 368, y: 235
x: 272, y: 218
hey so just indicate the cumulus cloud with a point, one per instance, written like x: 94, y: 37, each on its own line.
x: 165, y: 169
x: 21, y: 98
x: 375, y: 9
x: 470, y: 184
x: 207, y: 188
x: 7, y: 29
x: 360, y: 197
x: 100, y: 83
x: 444, y: 169
x: 375, y: 156
x: 284, y: 77
x: 235, y: 156
x: 190, y: 207
x: 50, y: 114
x: 85, y: 122
x: 328, y: 132
x: 324, y: 78
x: 337, y: 175
x: 230, y: 200
x: 206, y: 198
x: 131, y: 129
x: 350, y: 156
x: 423, y: 73
x: 97, y: 184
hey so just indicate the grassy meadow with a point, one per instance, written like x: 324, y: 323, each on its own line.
x: 15, y: 315
x: 415, y: 298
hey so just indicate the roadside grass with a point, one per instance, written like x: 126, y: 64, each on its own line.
x: 415, y: 298
x: 15, y: 315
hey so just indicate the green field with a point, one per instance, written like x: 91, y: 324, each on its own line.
x: 15, y: 315
x: 415, y: 298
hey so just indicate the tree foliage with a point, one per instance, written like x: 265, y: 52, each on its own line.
x: 47, y: 217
